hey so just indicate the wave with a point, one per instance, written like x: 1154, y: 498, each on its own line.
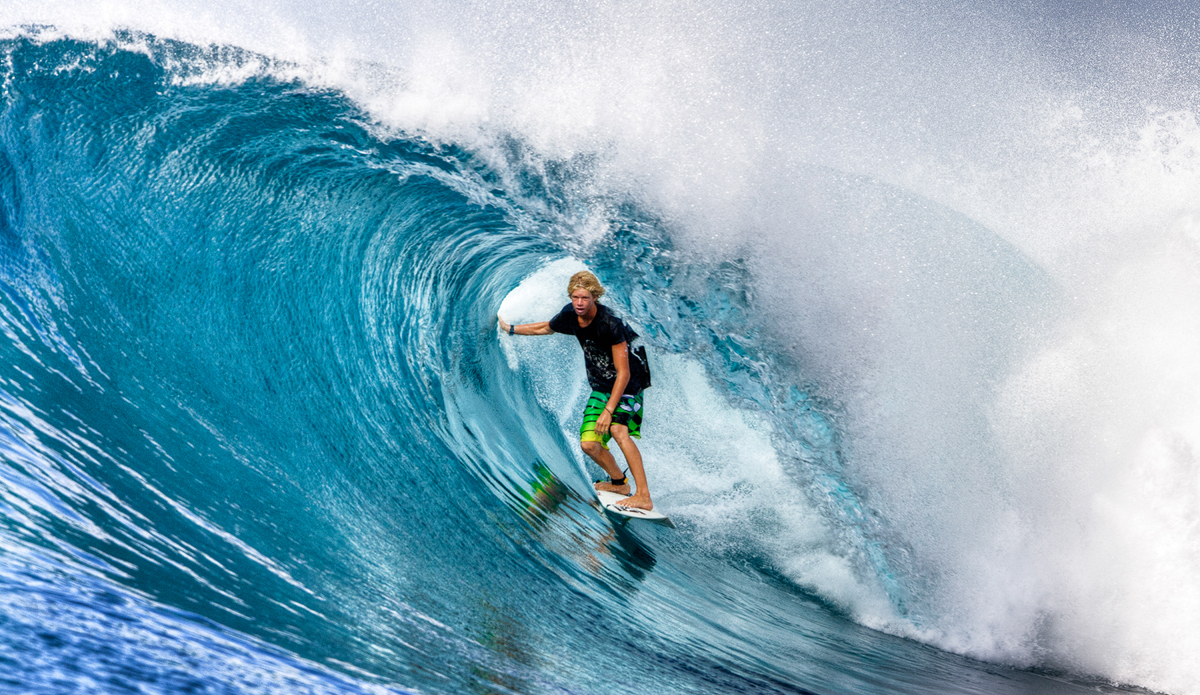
x: 253, y: 393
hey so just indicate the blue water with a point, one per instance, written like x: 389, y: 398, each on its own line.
x: 259, y: 433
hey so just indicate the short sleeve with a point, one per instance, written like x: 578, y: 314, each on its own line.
x: 564, y: 321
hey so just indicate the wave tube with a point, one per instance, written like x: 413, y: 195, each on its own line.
x: 929, y: 316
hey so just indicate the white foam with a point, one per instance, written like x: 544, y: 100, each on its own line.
x: 1050, y: 506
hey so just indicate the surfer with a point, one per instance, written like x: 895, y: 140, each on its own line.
x: 617, y: 375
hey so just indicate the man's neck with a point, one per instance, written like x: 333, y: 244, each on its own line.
x: 586, y: 319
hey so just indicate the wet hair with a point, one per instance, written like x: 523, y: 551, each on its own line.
x: 583, y: 280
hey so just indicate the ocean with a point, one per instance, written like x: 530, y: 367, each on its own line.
x: 919, y: 286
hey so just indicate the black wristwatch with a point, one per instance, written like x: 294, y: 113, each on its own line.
x: 512, y: 328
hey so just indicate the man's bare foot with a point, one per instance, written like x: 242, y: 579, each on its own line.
x: 602, y: 486
x: 639, y: 501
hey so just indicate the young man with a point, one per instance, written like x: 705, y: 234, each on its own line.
x: 617, y: 378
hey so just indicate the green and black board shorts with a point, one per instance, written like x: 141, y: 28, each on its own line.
x: 628, y: 413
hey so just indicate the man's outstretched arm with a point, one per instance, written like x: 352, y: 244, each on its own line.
x: 539, y: 328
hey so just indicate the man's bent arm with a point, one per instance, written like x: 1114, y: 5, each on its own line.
x: 621, y: 362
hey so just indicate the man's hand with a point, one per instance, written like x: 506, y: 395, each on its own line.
x: 603, y: 423
x: 503, y: 326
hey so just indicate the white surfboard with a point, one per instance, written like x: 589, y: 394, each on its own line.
x: 609, y: 501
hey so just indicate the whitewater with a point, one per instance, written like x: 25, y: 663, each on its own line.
x: 920, y: 285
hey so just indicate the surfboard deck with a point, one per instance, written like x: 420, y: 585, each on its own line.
x: 609, y: 500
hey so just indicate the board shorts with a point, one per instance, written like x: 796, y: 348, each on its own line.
x: 628, y: 413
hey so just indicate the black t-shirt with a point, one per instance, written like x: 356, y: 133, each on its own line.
x: 605, y: 331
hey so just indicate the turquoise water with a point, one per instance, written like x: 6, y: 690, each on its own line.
x: 259, y: 433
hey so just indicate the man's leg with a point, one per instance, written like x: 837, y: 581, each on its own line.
x: 641, y: 498
x: 604, y: 458
x: 593, y: 444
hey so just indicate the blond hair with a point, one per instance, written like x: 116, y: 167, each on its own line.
x: 583, y: 280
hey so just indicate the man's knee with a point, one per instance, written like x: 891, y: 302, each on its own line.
x: 591, y: 448
x: 619, y: 433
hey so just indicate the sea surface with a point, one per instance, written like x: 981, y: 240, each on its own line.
x: 920, y: 287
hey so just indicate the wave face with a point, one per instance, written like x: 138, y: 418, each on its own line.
x: 259, y: 432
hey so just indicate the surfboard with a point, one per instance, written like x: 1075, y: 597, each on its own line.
x: 609, y: 501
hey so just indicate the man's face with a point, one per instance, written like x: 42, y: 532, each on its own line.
x: 582, y: 300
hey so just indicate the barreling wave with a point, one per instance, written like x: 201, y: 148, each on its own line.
x: 249, y: 372
x: 252, y: 400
